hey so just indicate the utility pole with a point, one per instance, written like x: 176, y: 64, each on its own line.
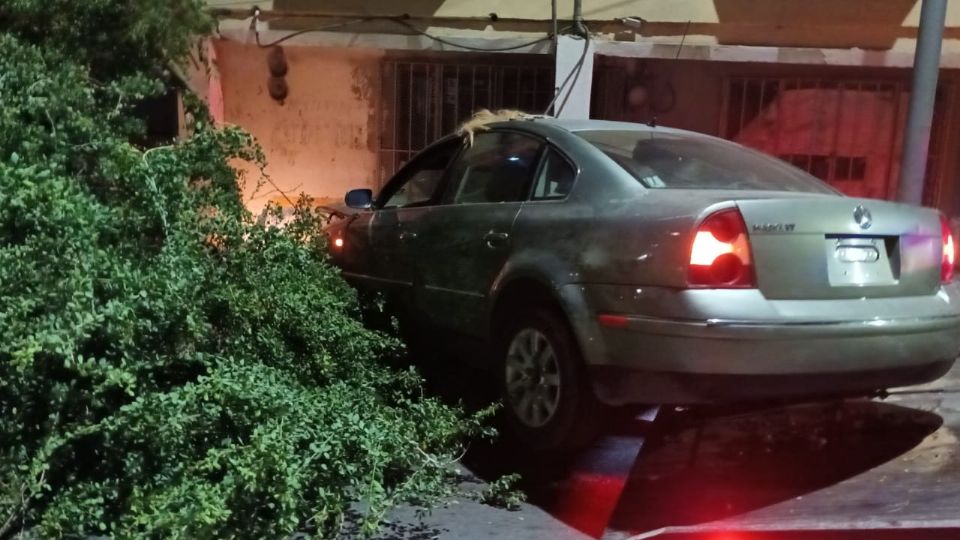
x: 923, y: 95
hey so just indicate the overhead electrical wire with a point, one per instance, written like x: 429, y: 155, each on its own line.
x: 438, y: 39
x: 397, y: 20
x: 683, y: 39
x: 574, y: 74
x: 301, y: 32
x: 669, y: 84
x: 219, y: 4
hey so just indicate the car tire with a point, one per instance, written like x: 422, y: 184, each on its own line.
x: 547, y: 401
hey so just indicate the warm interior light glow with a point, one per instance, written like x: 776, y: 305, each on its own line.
x: 706, y: 249
x: 338, y: 242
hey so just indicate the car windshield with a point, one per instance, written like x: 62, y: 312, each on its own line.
x: 663, y: 161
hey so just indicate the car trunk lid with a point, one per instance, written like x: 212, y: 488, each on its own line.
x: 838, y: 247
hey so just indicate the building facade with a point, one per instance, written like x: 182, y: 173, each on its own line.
x: 819, y: 83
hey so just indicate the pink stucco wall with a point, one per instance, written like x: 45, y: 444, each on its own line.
x: 323, y: 139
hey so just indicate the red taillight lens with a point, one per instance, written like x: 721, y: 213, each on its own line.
x: 949, y: 251
x: 720, y: 255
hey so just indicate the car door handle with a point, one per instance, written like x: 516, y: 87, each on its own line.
x: 407, y: 236
x: 495, y: 240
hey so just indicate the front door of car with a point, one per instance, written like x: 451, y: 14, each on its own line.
x: 410, y: 195
x: 464, y: 241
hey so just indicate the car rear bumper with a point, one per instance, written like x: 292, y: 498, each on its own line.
x: 692, y: 362
x: 789, y: 354
x: 755, y: 348
x: 617, y: 385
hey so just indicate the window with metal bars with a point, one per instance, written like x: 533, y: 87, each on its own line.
x: 845, y: 132
x: 425, y: 100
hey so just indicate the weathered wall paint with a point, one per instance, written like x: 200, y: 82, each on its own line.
x: 323, y: 139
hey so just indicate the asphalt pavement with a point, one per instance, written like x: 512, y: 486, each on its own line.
x: 859, y: 469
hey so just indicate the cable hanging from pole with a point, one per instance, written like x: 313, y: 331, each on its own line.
x: 399, y: 20
x: 574, y: 74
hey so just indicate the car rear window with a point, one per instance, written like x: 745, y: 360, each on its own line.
x: 668, y: 160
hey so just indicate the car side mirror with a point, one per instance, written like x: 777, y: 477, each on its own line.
x: 359, y: 198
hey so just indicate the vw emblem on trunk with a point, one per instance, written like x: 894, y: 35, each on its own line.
x: 862, y: 216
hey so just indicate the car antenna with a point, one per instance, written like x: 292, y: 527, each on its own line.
x: 673, y: 68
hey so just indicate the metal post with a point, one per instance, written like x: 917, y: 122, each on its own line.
x: 926, y: 67
x: 578, y: 18
x: 553, y: 17
x: 574, y: 77
x: 556, y: 52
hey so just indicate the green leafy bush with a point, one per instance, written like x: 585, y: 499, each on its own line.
x: 168, y: 367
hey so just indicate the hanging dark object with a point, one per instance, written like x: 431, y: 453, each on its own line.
x: 277, y: 86
x: 277, y: 62
x: 278, y: 66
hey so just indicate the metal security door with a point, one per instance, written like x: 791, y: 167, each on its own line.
x: 425, y: 100
x: 845, y: 132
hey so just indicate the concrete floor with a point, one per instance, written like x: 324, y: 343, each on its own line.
x: 868, y: 465
x: 866, y: 469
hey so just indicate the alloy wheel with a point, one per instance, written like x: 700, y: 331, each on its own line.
x: 532, y: 378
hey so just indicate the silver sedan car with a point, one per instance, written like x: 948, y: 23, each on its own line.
x: 599, y: 264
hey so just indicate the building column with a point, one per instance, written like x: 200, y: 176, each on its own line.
x: 923, y: 95
x: 573, y: 75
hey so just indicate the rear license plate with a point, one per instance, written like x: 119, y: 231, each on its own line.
x: 858, y: 262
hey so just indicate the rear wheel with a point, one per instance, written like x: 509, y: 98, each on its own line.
x: 547, y: 400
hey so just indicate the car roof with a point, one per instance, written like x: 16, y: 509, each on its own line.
x: 576, y: 124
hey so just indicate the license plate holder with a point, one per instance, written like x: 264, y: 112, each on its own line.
x: 858, y: 261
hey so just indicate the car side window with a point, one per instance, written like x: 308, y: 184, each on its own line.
x: 555, y: 179
x: 417, y: 183
x: 498, y: 167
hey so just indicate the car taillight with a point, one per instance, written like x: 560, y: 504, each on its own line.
x: 949, y: 251
x: 720, y: 255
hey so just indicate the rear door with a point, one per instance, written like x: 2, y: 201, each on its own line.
x: 838, y: 247
x: 463, y: 243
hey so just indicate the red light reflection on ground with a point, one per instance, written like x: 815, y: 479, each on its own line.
x: 826, y: 534
x: 588, y: 501
x: 587, y: 495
